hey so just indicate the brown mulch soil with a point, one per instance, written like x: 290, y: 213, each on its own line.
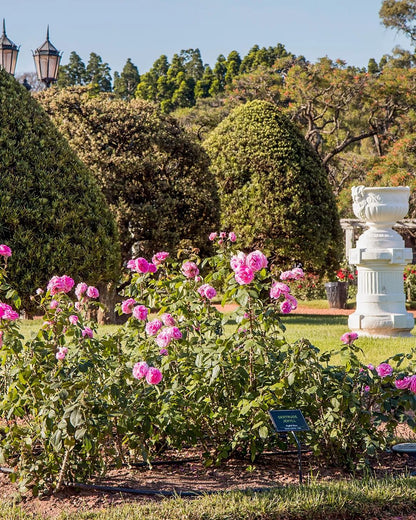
x: 267, y: 472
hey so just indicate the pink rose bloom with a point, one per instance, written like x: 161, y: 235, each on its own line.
x: 168, y: 320
x: 80, y: 289
x: 384, y: 370
x: 174, y: 333
x: 140, y: 312
x: 127, y: 305
x: 278, y: 289
x: 349, y: 337
x: 366, y: 388
x: 244, y: 275
x: 402, y: 384
x: 152, y: 268
x: 370, y: 367
x: 210, y: 292
x: 60, y: 355
x: 1, y: 338
x: 412, y: 386
x: 77, y: 306
x: 59, y: 284
x: 92, y: 292
x: 160, y: 257
x: 223, y: 234
x: 163, y: 338
x: 7, y: 313
x: 39, y: 291
x: 54, y: 304
x: 238, y: 261
x: 190, y: 269
x: 154, y: 376
x: 220, y: 241
x: 198, y: 279
x: 285, y: 307
x: 163, y: 352
x: 212, y: 236
x: 286, y: 275
x: 140, y: 370
x: 232, y: 237
x: 256, y: 261
x: 5, y: 251
x: 87, y: 332
x: 298, y: 273
x: 152, y: 327
x: 292, y: 300
x: 141, y: 265
x: 73, y: 319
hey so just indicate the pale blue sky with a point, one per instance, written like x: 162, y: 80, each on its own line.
x: 144, y: 29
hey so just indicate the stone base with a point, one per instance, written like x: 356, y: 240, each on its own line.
x: 385, y: 325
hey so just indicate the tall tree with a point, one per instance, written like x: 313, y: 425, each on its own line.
x: 193, y: 63
x: 74, y: 73
x: 125, y: 85
x: 232, y: 66
x: 98, y: 73
x: 400, y: 15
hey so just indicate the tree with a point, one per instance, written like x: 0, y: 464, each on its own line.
x: 274, y: 189
x: 52, y: 212
x: 74, y: 73
x: 125, y: 85
x: 232, y: 66
x: 154, y: 177
x: 193, y: 63
x: 400, y: 15
x: 98, y: 73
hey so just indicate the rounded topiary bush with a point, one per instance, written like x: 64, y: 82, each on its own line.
x: 155, y: 178
x: 274, y: 189
x: 52, y: 212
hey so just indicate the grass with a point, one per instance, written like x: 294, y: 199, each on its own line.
x: 347, y: 499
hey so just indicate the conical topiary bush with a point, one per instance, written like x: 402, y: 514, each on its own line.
x: 52, y: 213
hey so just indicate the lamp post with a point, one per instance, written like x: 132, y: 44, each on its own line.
x: 47, y: 59
x: 8, y: 52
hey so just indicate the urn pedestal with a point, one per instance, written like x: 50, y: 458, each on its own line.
x: 380, y: 257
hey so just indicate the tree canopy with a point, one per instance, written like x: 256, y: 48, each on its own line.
x: 52, y: 212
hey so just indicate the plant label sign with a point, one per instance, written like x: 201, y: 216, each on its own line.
x: 288, y: 420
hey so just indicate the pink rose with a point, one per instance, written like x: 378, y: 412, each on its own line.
x: 92, y: 292
x: 7, y: 313
x: 168, y: 320
x: 238, y: 261
x: 223, y: 234
x: 412, y: 386
x: 80, y: 289
x: 298, y: 273
x: 292, y: 300
x: 54, y: 304
x: 384, y: 370
x: 127, y: 305
x: 141, y: 265
x: 244, y: 275
x: 278, y: 289
x: 87, y: 332
x: 73, y: 319
x: 207, y: 291
x: 232, y: 237
x: 152, y: 327
x: 5, y: 251
x: 160, y: 257
x: 256, y: 261
x: 402, y: 384
x: 190, y: 269
x: 60, y: 355
x: 39, y: 291
x: 59, y: 284
x: 163, y: 352
x: 163, y: 338
x: 152, y: 268
x: 140, y: 312
x: 370, y: 366
x: 285, y: 307
x: 174, y: 333
x: 349, y: 337
x: 140, y: 370
x: 212, y: 236
x: 154, y: 376
x: 286, y: 275
x: 366, y: 388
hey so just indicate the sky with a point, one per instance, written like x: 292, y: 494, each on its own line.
x: 142, y: 30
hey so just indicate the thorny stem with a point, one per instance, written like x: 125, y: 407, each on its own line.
x: 62, y: 472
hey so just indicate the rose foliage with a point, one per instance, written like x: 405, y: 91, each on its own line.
x: 181, y: 373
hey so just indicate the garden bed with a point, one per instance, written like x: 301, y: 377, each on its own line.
x: 267, y: 472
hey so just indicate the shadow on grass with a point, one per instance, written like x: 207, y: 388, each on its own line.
x: 314, y: 319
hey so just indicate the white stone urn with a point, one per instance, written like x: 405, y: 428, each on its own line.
x: 380, y: 257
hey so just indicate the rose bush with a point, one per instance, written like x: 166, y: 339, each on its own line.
x: 179, y: 372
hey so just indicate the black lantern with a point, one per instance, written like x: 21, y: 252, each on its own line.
x: 47, y: 58
x: 8, y: 52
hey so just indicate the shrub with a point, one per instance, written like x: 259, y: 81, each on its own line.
x: 154, y: 176
x: 274, y: 189
x: 52, y: 212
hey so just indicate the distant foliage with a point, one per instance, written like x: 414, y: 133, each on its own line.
x: 52, y: 212
x: 154, y: 177
x: 274, y: 190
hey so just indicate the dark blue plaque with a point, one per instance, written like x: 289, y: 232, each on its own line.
x: 288, y: 420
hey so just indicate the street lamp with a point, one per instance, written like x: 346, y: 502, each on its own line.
x: 8, y: 52
x: 47, y: 58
